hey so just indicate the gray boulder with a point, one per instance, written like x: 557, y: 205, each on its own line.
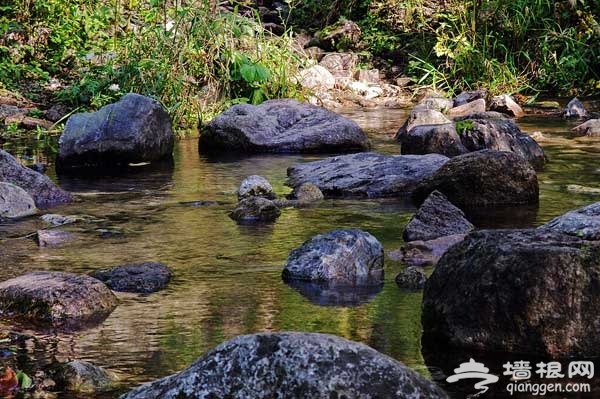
x: 350, y: 256
x: 284, y: 126
x: 506, y: 105
x: 291, y: 365
x: 255, y: 210
x: 483, y: 178
x: 134, y: 129
x: 575, y: 109
x: 255, y: 186
x: 39, y: 186
x: 368, y: 174
x: 57, y: 298
x: 516, y: 291
x: 139, y: 277
x: 500, y: 134
x: 583, y: 222
x: 432, y: 139
x: 15, y: 202
x: 412, y: 278
x: 81, y: 376
x: 437, y: 217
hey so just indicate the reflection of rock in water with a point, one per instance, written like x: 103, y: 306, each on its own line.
x: 336, y: 294
x: 513, y: 217
x: 153, y: 176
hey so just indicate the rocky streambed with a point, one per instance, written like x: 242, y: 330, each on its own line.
x: 226, y: 277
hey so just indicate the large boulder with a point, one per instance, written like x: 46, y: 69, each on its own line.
x: 432, y: 139
x: 483, y: 178
x: 134, y: 129
x: 500, y: 134
x: 57, y: 298
x: 15, y: 202
x: 368, y: 174
x: 351, y: 256
x: 285, y: 126
x: 583, y: 222
x: 519, y: 291
x: 255, y: 210
x: 437, y: 217
x: 138, y: 277
x: 39, y: 186
x: 291, y: 365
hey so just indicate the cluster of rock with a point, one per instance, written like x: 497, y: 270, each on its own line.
x: 465, y: 124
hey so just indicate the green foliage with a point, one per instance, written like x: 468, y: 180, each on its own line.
x: 192, y: 58
x: 464, y: 126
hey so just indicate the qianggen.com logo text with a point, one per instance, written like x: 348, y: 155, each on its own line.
x: 542, y: 389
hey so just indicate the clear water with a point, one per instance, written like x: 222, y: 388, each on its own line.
x: 227, y: 278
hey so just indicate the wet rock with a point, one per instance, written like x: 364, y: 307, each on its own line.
x: 144, y: 277
x: 134, y: 129
x: 483, y: 178
x: 576, y: 188
x: 86, y: 377
x: 316, y: 77
x: 575, y: 109
x: 255, y: 210
x: 469, y: 96
x: 333, y: 293
x: 420, y: 115
x: 200, y: 203
x: 40, y: 187
x: 291, y: 364
x: 583, y: 222
x: 499, y: 134
x: 412, y: 278
x: 15, y: 202
x: 285, y: 126
x: 346, y: 256
x: 470, y: 108
x: 589, y: 128
x: 437, y: 217
x: 306, y: 193
x: 57, y: 298
x: 518, y: 291
x: 425, y: 253
x: 255, y: 186
x: 432, y: 139
x: 368, y: 175
x: 506, y: 105
x: 51, y: 238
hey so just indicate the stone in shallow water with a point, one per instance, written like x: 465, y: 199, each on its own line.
x: 412, y: 278
x: 81, y: 376
x: 583, y: 222
x: 255, y: 186
x: 15, y: 202
x: 50, y: 238
x: 345, y: 256
x: 291, y: 365
x: 367, y: 174
x: 144, y: 277
x: 255, y: 210
x: 57, y: 298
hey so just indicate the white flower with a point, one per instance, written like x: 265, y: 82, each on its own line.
x: 114, y: 87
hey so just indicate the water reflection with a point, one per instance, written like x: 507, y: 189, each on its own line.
x: 326, y: 293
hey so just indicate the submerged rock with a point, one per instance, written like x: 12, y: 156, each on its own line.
x: 349, y: 256
x: 528, y: 291
x: 285, y: 126
x: 255, y: 210
x: 437, y: 217
x: 81, y: 376
x: 134, y: 129
x: 583, y: 222
x: 291, y: 365
x: 57, y: 298
x: 412, y: 278
x: 483, y: 178
x: 256, y: 186
x: 50, y: 238
x: 43, y: 191
x: 15, y: 202
x: 144, y: 277
x: 368, y: 174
